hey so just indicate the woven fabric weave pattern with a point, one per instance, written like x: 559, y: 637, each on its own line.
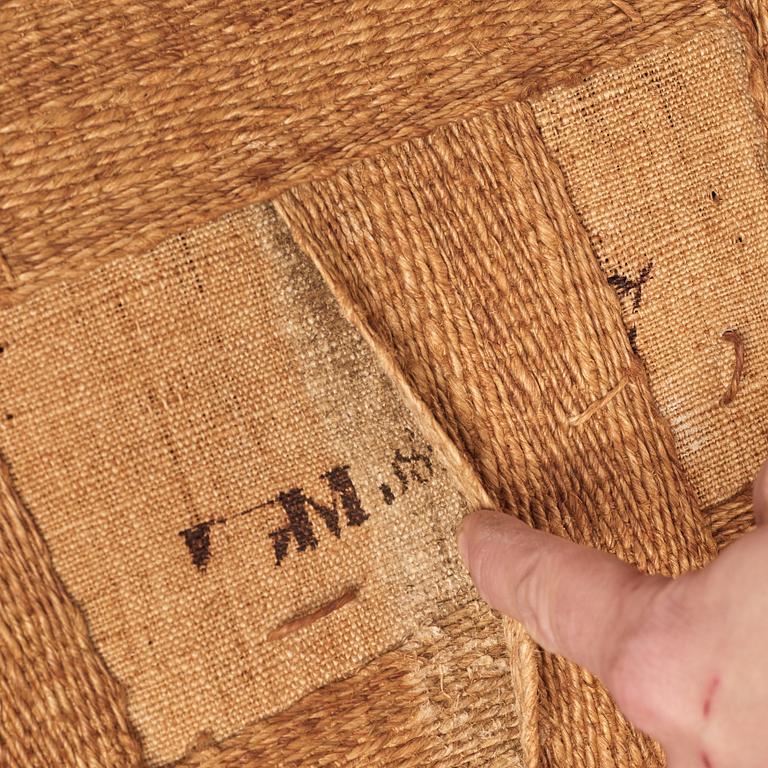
x: 139, y: 396
x: 59, y: 705
x: 671, y: 185
x: 126, y: 123
x: 213, y: 457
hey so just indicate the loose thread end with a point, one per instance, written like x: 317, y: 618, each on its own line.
x: 734, y: 337
x: 299, y: 623
x: 579, y: 419
x: 629, y: 10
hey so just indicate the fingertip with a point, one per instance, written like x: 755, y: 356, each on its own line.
x: 760, y: 494
x: 477, y: 527
x: 488, y: 542
x: 573, y: 599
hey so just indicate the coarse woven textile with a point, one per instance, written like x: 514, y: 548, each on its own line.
x: 462, y: 258
x: 125, y: 123
x: 229, y: 486
x: 444, y: 699
x: 731, y: 519
x: 86, y: 174
x: 665, y: 161
x: 58, y: 704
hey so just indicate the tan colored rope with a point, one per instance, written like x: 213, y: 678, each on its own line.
x: 731, y: 519
x: 58, y: 704
x: 123, y: 125
x: 461, y: 256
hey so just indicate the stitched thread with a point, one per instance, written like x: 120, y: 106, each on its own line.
x: 735, y: 338
x: 579, y: 419
x: 299, y: 623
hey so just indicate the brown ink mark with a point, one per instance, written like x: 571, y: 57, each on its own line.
x: 299, y: 623
x: 714, y: 197
x: 735, y: 338
x: 386, y: 492
x: 418, y: 465
x: 632, y: 336
x: 198, y: 541
x: 714, y: 684
x: 297, y: 506
x: 406, y: 467
x: 198, y: 537
x: 191, y: 265
x: 626, y: 286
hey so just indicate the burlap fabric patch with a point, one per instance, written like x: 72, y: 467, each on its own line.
x: 229, y: 486
x: 666, y: 163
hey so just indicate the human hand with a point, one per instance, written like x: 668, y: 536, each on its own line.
x: 685, y: 659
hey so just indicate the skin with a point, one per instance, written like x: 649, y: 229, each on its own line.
x: 685, y: 659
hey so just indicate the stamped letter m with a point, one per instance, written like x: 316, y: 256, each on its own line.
x: 297, y: 506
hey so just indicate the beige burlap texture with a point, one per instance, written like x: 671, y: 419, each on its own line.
x: 665, y: 161
x: 232, y: 490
